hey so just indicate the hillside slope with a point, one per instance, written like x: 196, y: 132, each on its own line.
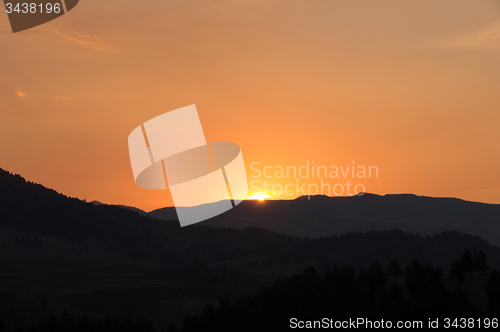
x: 61, y: 253
x: 324, y: 216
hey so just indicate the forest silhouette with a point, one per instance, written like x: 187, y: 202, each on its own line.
x: 69, y: 265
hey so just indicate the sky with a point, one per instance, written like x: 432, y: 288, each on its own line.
x: 411, y: 87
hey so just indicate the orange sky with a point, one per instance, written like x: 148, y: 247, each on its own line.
x: 409, y: 86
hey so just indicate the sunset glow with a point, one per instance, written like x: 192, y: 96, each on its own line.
x: 259, y: 197
x: 327, y: 83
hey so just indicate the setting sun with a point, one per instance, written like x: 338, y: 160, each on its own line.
x: 259, y: 196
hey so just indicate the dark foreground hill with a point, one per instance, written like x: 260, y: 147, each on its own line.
x: 61, y: 253
x: 323, y: 216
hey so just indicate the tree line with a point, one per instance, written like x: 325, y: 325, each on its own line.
x: 415, y: 292
x: 342, y: 293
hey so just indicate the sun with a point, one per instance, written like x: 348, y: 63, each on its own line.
x: 259, y: 196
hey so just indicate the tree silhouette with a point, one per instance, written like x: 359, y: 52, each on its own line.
x: 394, y: 269
x: 460, y: 304
x: 481, y: 263
x: 457, y: 270
x: 468, y: 262
x: 492, y: 289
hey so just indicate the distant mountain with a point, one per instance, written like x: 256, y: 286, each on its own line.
x: 324, y: 216
x: 131, y: 208
x: 28, y: 210
x: 166, y: 213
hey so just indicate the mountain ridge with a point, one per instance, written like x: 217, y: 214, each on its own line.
x: 336, y: 215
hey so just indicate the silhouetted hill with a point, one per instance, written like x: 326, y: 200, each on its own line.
x: 32, y: 211
x: 323, y: 216
x: 131, y: 208
x: 166, y: 213
x: 108, y: 261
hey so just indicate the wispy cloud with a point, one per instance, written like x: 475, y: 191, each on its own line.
x: 87, y: 41
x: 7, y: 90
x: 488, y: 36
